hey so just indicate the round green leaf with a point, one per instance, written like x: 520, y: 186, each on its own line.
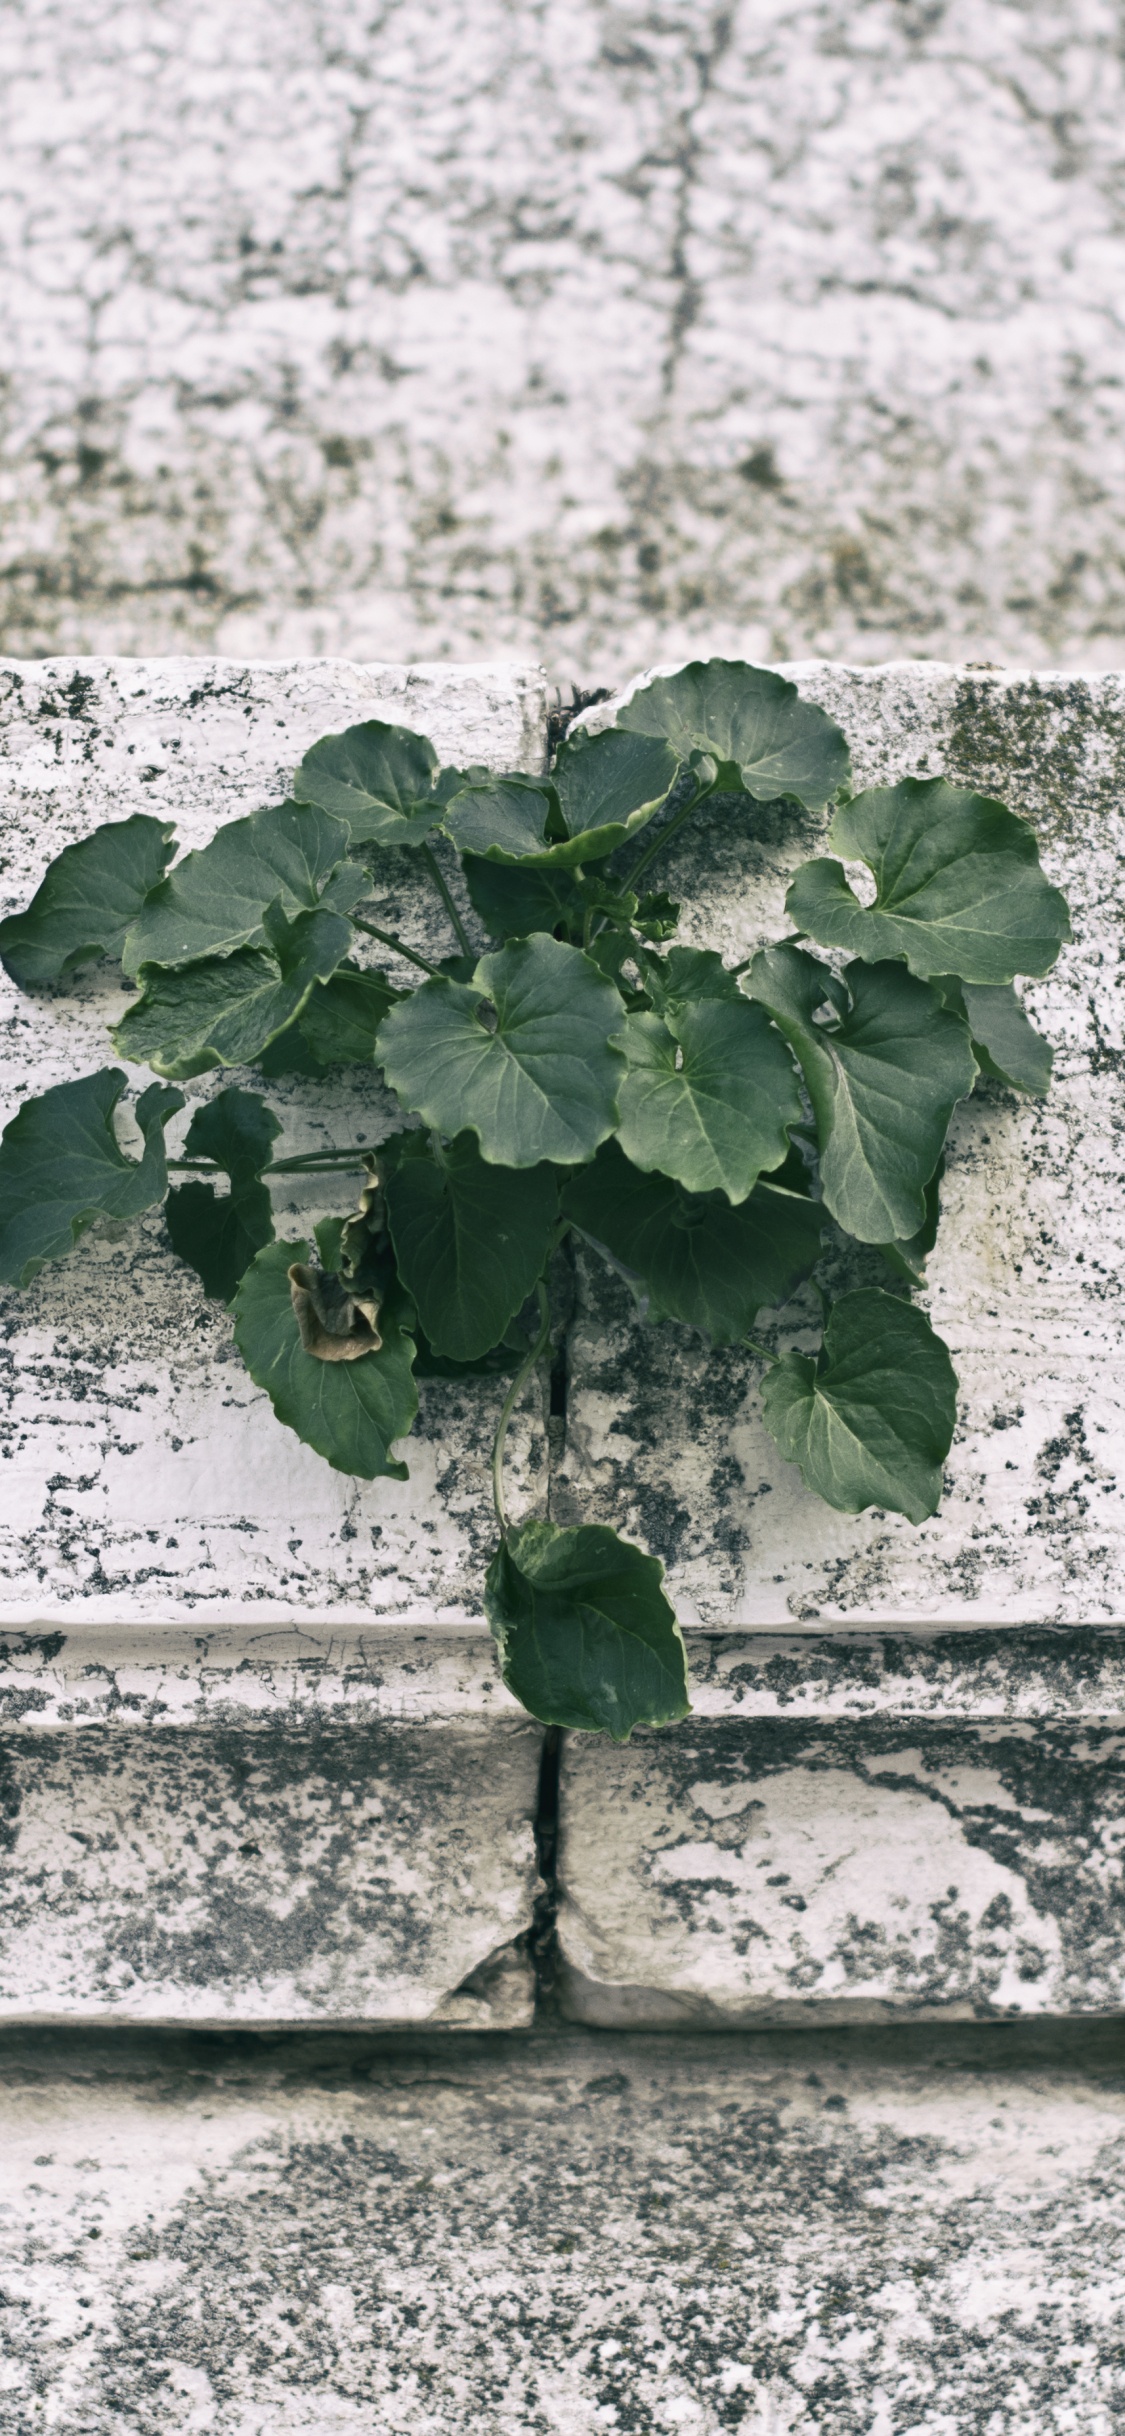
x: 601, y: 791
x: 884, y: 1075
x: 709, y: 1095
x: 470, y: 1240
x: 86, y: 901
x: 958, y: 885
x: 502, y: 820
x: 352, y: 1413
x: 522, y: 1056
x: 62, y: 1166
x: 749, y: 718
x: 215, y: 900
x: 226, y: 1010
x: 340, y: 1020
x: 870, y: 1421
x: 382, y: 780
x: 586, y: 1635
x: 698, y: 1260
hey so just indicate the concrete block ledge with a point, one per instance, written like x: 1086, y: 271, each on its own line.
x: 856, y: 1829
x: 266, y: 1829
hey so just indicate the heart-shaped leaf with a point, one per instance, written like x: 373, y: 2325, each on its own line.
x: 86, y: 901
x: 1006, y: 1045
x: 470, y: 1240
x: 699, y: 1260
x: 884, y: 1074
x: 709, y: 1095
x: 958, y: 885
x: 62, y: 1166
x: 218, y: 1238
x: 382, y: 780
x: 870, y: 1420
x: 586, y: 1635
x: 522, y: 1056
x: 750, y: 720
x: 225, y: 1011
x: 215, y: 900
x: 352, y: 1413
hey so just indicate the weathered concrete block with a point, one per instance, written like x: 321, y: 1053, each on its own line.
x: 783, y: 2236
x: 141, y: 1472
x: 264, y: 1828
x: 857, y: 1828
x: 1026, y: 1285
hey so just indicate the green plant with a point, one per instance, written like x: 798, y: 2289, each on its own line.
x: 706, y: 1129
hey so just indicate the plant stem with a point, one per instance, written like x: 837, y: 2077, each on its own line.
x: 663, y: 838
x: 437, y: 875
x: 388, y: 938
x: 318, y: 1162
x: 514, y: 1392
x: 762, y: 1351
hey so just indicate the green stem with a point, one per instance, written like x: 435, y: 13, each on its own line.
x: 663, y: 838
x: 388, y: 938
x: 437, y: 875
x: 318, y: 1162
x: 510, y: 1401
x: 762, y: 1351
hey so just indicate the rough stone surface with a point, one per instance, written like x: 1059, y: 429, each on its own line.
x: 594, y: 329
x: 857, y: 1828
x: 267, y: 1827
x: 798, y: 2236
x: 142, y: 1472
x: 665, y: 1438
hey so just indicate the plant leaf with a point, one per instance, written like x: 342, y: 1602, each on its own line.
x: 513, y: 899
x: 341, y: 1018
x: 702, y: 1262
x: 352, y: 1413
x: 215, y: 900
x: 748, y: 717
x: 237, y: 1131
x: 601, y: 791
x: 1006, y: 1045
x: 908, y: 1259
x: 382, y: 780
x: 502, y: 819
x: 720, y: 1117
x: 541, y: 1084
x: 958, y: 885
x: 870, y: 1421
x: 586, y: 1635
x: 218, y: 1238
x: 608, y: 787
x: 685, y: 976
x: 61, y: 1166
x: 470, y: 1240
x: 884, y: 1076
x: 226, y: 1010
x: 86, y: 901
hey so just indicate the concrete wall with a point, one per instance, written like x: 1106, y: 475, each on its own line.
x: 263, y: 1798
x: 589, y: 330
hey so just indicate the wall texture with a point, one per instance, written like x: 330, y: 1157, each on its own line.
x: 403, y: 328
